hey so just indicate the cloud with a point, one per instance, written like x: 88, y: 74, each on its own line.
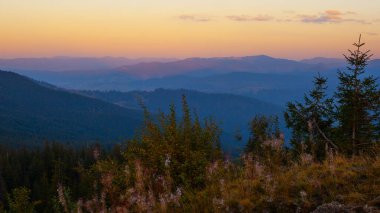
x: 289, y: 11
x: 331, y: 16
x: 194, y: 18
x: 351, y: 13
x: 371, y: 33
x: 284, y: 20
x: 247, y: 18
x: 327, y: 16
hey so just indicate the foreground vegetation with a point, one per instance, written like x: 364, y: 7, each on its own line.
x: 177, y: 165
x: 115, y: 183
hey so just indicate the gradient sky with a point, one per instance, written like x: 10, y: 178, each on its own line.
x: 186, y: 28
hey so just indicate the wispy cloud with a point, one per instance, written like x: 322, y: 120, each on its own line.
x: 289, y: 11
x: 371, y: 33
x: 331, y: 16
x: 285, y: 20
x: 246, y: 18
x: 351, y: 13
x: 194, y: 18
x: 327, y: 16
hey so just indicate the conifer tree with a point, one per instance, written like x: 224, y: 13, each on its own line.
x: 358, y: 99
x: 20, y: 201
x: 183, y: 146
x: 312, y: 121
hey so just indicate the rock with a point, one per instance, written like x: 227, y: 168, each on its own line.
x: 375, y: 202
x: 335, y: 207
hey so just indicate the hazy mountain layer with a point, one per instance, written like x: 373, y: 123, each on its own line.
x: 272, y: 80
x: 72, y: 63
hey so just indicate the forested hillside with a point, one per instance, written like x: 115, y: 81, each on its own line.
x: 31, y: 112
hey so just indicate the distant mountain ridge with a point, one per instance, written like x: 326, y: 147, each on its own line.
x: 34, y: 112
x: 263, y: 77
x: 163, y: 67
x: 72, y: 63
x: 323, y: 60
x: 207, y: 66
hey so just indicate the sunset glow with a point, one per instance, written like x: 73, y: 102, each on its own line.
x: 168, y: 28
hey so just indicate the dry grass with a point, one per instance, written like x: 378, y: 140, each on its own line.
x: 301, y: 186
x: 298, y: 187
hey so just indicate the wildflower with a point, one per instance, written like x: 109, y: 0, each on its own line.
x: 259, y: 169
x: 106, y: 180
x: 303, y: 195
x: 275, y: 143
x: 212, y: 168
x: 167, y: 160
x: 79, y: 206
x: 126, y: 170
x: 96, y: 153
x: 306, y: 159
x: 175, y: 197
x: 163, y: 203
x: 61, y: 198
x: 219, y: 203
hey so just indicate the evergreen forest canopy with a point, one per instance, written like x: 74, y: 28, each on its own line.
x: 176, y: 164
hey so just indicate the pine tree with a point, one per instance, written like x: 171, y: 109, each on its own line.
x: 358, y: 99
x: 312, y: 121
x: 183, y: 146
x: 20, y: 201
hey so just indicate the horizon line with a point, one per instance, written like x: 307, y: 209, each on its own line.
x: 163, y: 58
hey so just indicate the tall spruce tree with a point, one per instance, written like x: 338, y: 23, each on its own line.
x: 311, y: 122
x: 358, y: 102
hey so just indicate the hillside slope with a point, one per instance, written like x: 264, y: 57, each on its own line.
x: 32, y: 112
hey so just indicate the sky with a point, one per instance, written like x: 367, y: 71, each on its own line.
x: 294, y: 29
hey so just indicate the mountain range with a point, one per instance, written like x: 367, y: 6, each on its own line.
x: 232, y: 90
x: 32, y: 112
x: 263, y: 77
x: 209, y: 66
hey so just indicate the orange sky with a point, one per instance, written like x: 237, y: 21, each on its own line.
x: 171, y: 28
